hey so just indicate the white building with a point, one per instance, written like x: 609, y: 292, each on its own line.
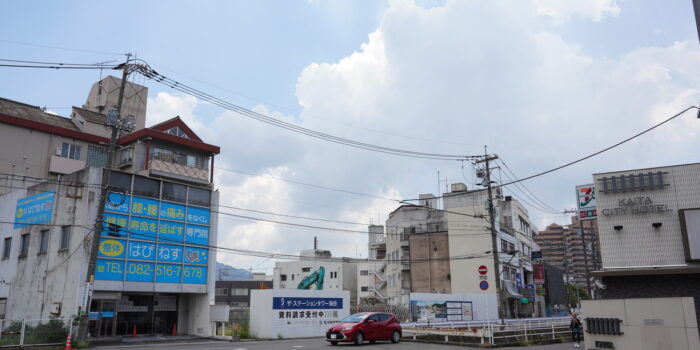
x: 371, y: 275
x: 649, y: 226
x: 317, y: 270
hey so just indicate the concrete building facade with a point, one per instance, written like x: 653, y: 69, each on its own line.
x: 371, y: 275
x: 155, y: 271
x: 649, y: 234
x: 317, y: 270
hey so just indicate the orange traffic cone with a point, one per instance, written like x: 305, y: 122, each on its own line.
x: 174, y: 330
x: 133, y: 331
x: 68, y: 346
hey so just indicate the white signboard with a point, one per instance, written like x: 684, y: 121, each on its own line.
x: 586, y: 202
x: 290, y: 313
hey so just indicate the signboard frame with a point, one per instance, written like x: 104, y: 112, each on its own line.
x: 586, y: 202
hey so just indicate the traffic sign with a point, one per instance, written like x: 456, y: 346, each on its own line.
x: 483, y: 270
x: 484, y: 285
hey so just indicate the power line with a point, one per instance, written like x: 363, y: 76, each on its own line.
x: 153, y: 75
x: 537, y: 203
x: 55, y: 66
x: 60, y: 48
x: 604, y: 149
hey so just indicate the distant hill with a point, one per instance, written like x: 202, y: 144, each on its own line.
x: 229, y: 273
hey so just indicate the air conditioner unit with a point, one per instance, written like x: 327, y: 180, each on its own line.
x: 58, y: 150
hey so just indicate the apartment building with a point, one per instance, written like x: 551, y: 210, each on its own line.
x: 563, y: 247
x: 154, y: 271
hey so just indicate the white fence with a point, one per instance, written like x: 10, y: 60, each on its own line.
x: 511, y: 331
x: 34, y: 332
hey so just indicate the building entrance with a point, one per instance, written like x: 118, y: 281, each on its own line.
x: 143, y: 314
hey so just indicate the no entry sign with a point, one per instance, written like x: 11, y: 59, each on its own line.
x: 483, y: 269
x: 484, y: 285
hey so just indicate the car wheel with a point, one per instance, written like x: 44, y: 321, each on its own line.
x: 359, y: 338
x: 372, y: 341
x: 395, y: 337
x: 334, y: 343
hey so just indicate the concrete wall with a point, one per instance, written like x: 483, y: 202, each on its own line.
x: 28, y: 152
x: 430, y: 265
x: 647, y: 323
x: 266, y: 323
x: 56, y: 279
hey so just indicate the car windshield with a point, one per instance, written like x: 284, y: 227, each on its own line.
x: 354, y: 318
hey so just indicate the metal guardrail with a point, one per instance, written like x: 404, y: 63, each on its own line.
x: 34, y: 331
x: 483, y: 323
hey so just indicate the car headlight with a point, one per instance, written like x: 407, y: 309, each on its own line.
x: 347, y: 328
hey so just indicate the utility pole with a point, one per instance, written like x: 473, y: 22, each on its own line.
x: 104, y: 193
x: 494, y: 235
x: 585, y: 256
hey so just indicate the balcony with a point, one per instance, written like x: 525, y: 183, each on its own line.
x: 167, y: 168
x: 62, y: 165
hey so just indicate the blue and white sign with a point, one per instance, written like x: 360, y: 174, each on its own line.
x: 111, y: 270
x: 140, y: 271
x: 198, y: 216
x: 144, y: 207
x: 141, y: 250
x: 35, y: 209
x: 196, y: 234
x: 118, y: 203
x: 151, y: 247
x: 284, y: 303
x: 169, y: 253
x: 168, y: 273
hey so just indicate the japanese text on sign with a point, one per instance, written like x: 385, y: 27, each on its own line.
x: 34, y: 209
x: 306, y: 303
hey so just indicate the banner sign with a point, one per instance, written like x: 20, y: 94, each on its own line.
x: 153, y: 241
x: 586, y: 202
x: 284, y: 303
x: 538, y: 273
x: 35, y: 209
x: 441, y: 310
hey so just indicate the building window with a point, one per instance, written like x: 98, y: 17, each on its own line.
x: 65, y: 238
x: 283, y: 277
x: 69, y: 150
x: 97, y: 156
x: 511, y: 247
x: 146, y: 187
x: 199, y: 196
x: 43, y: 241
x: 24, y: 245
x: 364, y: 289
x: 239, y: 304
x: 305, y: 269
x: 3, y: 308
x: 364, y: 273
x: 174, y: 192
x: 7, y: 248
x: 239, y: 291
x: 121, y: 181
x: 221, y: 291
x: 504, y: 246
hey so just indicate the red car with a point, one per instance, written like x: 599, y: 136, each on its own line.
x: 364, y: 326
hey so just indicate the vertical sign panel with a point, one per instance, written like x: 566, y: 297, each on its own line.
x: 538, y: 273
x: 586, y: 202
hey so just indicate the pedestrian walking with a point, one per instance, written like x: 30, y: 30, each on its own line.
x: 576, y: 329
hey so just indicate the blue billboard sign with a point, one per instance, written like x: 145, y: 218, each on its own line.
x: 169, y: 253
x: 111, y: 270
x: 155, y: 241
x: 169, y: 273
x: 145, y: 207
x: 35, y: 209
x: 290, y: 303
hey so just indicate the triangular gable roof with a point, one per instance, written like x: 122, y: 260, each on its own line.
x: 173, y: 122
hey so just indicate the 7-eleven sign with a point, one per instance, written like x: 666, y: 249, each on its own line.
x: 586, y: 202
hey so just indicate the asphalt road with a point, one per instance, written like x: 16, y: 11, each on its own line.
x: 306, y: 344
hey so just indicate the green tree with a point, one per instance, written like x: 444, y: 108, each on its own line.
x: 576, y: 294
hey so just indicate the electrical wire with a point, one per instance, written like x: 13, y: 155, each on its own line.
x: 159, y: 78
x: 60, y: 48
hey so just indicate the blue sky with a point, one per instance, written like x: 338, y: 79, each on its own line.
x: 541, y: 82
